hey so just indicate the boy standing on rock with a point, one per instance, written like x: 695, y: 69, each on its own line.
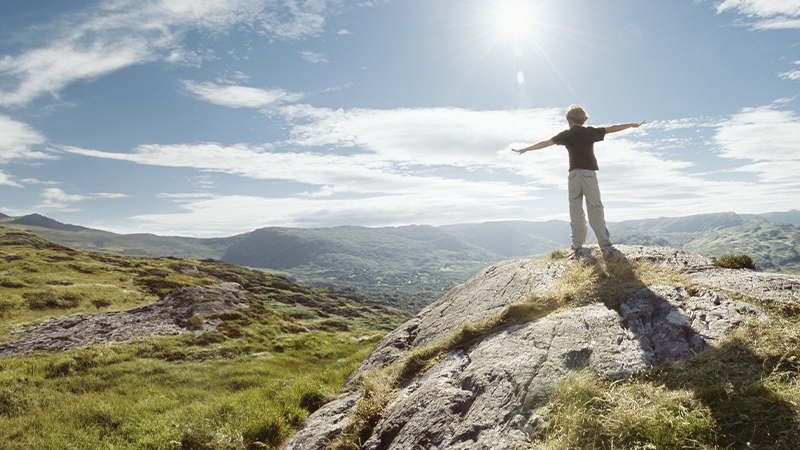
x: 579, y: 141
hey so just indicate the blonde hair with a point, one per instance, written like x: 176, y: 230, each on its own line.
x: 577, y: 115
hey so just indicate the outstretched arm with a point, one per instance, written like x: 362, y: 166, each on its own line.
x: 537, y: 146
x: 625, y: 126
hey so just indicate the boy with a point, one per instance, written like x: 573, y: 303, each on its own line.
x: 579, y: 141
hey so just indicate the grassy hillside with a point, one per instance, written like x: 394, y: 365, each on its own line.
x: 410, y: 267
x: 689, y: 224
x: 148, y: 245
x: 774, y: 246
x: 248, y: 385
x: 413, y: 265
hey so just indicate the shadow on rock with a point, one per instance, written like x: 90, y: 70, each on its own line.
x: 680, y: 327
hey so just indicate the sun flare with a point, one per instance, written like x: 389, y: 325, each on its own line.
x: 515, y: 18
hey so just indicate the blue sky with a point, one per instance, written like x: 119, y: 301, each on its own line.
x: 215, y: 117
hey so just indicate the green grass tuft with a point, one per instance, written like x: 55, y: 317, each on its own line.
x: 741, y: 261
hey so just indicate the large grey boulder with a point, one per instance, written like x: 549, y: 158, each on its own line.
x: 483, y: 296
x: 485, y: 397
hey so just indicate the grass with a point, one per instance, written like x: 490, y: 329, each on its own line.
x: 586, y: 412
x: 743, y: 393
x: 140, y: 396
x: 250, y: 384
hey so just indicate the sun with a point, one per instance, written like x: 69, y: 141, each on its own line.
x: 515, y: 18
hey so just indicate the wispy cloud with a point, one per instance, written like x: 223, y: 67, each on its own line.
x: 766, y: 14
x: 109, y: 195
x: 120, y: 33
x: 235, y: 96
x: 792, y: 74
x: 17, y: 140
x: 35, y: 181
x: 5, y: 180
x: 314, y: 57
x: 57, y: 199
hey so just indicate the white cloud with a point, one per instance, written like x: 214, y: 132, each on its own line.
x: 17, y: 140
x: 426, y: 136
x: 314, y: 57
x: 109, y: 195
x: 35, y: 181
x: 437, y: 202
x: 449, y: 165
x: 121, y: 33
x: 57, y: 199
x: 767, y: 14
x: 5, y: 180
x: 240, y: 96
x: 766, y: 136
x: 791, y: 75
x: 760, y: 134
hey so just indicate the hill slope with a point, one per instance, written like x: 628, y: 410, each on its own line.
x: 244, y: 373
x: 774, y: 246
x: 413, y: 266
x: 413, y: 260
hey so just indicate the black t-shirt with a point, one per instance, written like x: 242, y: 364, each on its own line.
x: 579, y: 141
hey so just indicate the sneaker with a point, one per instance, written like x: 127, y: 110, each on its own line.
x: 608, y: 251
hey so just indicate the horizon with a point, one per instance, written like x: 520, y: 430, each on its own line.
x: 566, y: 222
x: 214, y: 118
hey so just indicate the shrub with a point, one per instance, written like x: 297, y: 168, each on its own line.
x: 52, y: 299
x: 195, y: 323
x: 735, y: 262
x: 101, y: 303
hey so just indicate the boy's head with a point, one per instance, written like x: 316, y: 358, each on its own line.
x: 576, y: 115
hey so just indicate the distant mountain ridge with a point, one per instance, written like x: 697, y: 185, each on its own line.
x: 688, y: 224
x: 426, y: 261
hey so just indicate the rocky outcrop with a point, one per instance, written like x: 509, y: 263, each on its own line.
x: 485, y: 397
x: 485, y: 295
x: 168, y: 317
x: 767, y: 287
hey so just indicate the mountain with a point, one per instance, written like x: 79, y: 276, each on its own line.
x: 414, y: 265
x: 689, y: 224
x: 774, y: 246
x: 624, y: 351
x: 140, y: 244
x: 411, y: 260
x: 38, y: 220
x: 792, y: 217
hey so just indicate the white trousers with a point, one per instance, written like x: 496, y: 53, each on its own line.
x: 583, y: 184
